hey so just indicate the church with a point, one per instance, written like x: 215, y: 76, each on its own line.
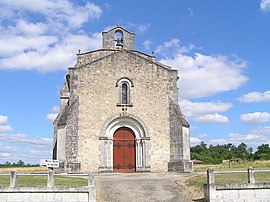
x: 119, y: 112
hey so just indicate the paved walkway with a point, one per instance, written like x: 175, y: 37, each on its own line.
x: 141, y: 187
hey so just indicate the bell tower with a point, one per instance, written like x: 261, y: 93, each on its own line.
x: 118, y: 38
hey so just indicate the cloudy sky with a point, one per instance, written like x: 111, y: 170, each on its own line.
x: 221, y: 49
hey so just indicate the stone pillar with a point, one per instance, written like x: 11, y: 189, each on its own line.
x: 138, y: 155
x: 143, y: 154
x: 50, y: 180
x: 211, y: 176
x: 109, y: 154
x: 13, y: 178
x: 210, y: 187
x: 251, y: 178
x: 91, y: 179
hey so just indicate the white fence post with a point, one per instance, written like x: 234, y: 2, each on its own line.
x: 251, y: 177
x: 13, y: 178
x: 210, y: 192
x: 211, y: 176
x: 50, y: 180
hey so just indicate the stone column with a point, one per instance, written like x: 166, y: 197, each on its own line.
x: 146, y: 155
x: 143, y: 154
x: 210, y: 187
x: 210, y: 176
x: 50, y: 180
x: 13, y: 178
x: 138, y: 154
x: 109, y: 155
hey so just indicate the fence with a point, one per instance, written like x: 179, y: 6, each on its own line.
x: 250, y: 191
x: 49, y: 192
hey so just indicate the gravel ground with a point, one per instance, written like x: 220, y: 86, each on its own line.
x: 141, y: 187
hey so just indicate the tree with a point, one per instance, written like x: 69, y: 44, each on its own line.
x: 242, y: 151
x: 262, y: 153
x: 216, y: 154
x: 20, y: 163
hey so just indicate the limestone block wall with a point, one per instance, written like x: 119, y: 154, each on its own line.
x: 246, y: 192
x: 41, y: 194
x: 95, y: 87
x: 109, y: 37
x: 86, y: 58
x: 259, y: 192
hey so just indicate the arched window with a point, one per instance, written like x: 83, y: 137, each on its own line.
x: 124, y: 85
x: 124, y: 92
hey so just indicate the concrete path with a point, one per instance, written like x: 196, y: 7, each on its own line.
x: 141, y: 187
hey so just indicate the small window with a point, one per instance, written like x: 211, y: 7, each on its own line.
x: 124, y: 99
x: 124, y: 85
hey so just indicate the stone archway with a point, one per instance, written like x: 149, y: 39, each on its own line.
x: 106, y: 138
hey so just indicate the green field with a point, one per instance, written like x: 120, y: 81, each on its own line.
x: 34, y: 181
x: 200, y: 179
x: 24, y: 181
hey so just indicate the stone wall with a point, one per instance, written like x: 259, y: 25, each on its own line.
x: 179, y: 137
x: 43, y: 194
x: 109, y: 38
x: 246, y: 192
x: 48, y: 193
x: 96, y: 89
x: 258, y: 192
x: 92, y: 107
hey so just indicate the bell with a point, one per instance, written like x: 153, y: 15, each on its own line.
x: 119, y: 42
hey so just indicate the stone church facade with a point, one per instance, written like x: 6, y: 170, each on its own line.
x: 119, y: 112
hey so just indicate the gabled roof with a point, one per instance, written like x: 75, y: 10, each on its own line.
x: 118, y: 27
x: 133, y: 52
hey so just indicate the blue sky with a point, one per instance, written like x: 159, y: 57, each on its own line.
x: 221, y: 49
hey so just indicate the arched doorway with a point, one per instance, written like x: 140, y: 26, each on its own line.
x: 124, y: 152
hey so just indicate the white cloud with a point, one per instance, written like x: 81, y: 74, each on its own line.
x: 235, y: 137
x: 265, y: 5
x: 3, y: 120
x: 147, y: 44
x: 202, y: 75
x: 139, y: 28
x: 173, y: 47
x: 218, y: 141
x: 53, y: 115
x: 5, y: 128
x: 252, y: 138
x: 19, y: 138
x: 17, y: 146
x: 255, y: 118
x: 212, y: 118
x: 46, y: 58
x: 62, y: 11
x: 256, y: 97
x: 194, y: 141
x: 55, y: 109
x: 201, y: 135
x: 4, y: 155
x: 205, y: 112
x: 197, y: 139
x: 49, y: 43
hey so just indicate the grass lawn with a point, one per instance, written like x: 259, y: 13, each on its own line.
x: 24, y: 181
x: 200, y: 179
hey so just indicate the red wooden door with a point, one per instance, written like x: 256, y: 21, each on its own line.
x: 124, y: 150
